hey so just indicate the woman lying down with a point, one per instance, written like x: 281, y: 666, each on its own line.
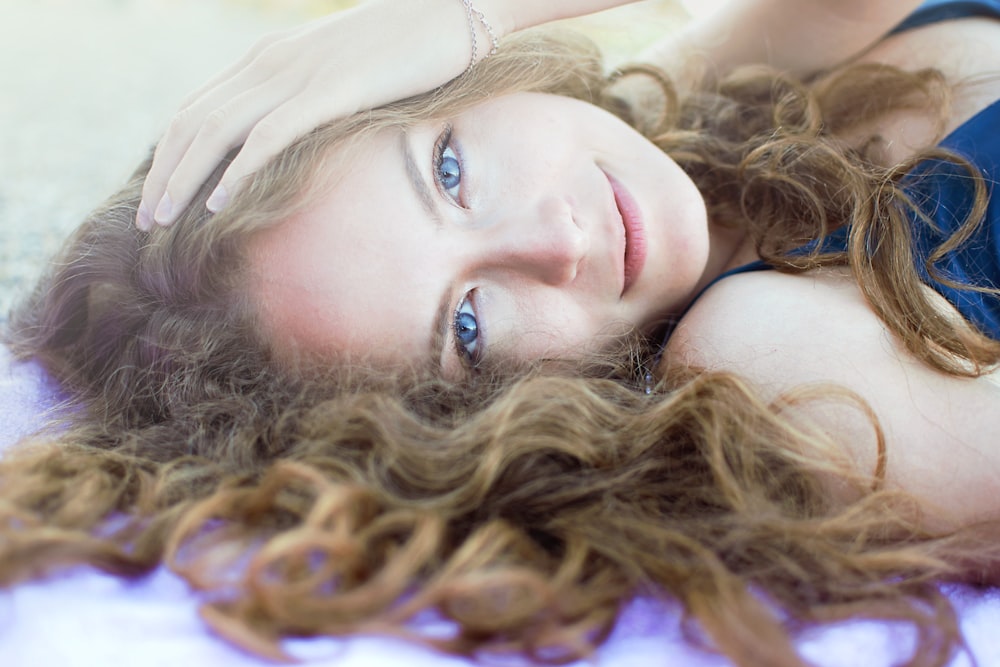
x: 540, y: 339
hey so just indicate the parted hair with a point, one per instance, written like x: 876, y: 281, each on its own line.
x: 527, y: 507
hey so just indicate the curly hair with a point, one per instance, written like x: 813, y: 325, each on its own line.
x: 529, y: 506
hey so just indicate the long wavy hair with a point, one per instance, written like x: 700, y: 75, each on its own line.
x: 527, y: 508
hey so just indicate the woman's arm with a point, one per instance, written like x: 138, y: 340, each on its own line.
x: 798, y: 36
x: 383, y: 50
x: 293, y: 81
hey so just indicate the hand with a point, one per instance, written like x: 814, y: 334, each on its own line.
x: 293, y: 81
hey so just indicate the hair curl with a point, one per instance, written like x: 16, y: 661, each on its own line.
x: 527, y: 510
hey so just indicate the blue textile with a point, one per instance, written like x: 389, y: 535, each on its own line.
x: 934, y: 11
x: 944, y: 192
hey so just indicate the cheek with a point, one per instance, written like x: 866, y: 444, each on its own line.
x: 557, y: 327
x: 532, y: 155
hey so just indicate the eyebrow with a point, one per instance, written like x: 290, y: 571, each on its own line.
x: 443, y: 316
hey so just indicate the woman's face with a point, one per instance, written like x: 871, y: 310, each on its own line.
x: 531, y: 226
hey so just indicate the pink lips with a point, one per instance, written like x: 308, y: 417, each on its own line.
x: 635, y: 233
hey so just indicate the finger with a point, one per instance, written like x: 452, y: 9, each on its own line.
x: 276, y: 131
x: 222, y: 130
x: 166, y: 156
x: 184, y: 129
x: 220, y: 119
x: 235, y: 73
x: 170, y: 151
x: 194, y: 109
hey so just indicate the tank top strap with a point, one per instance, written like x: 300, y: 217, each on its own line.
x: 935, y: 11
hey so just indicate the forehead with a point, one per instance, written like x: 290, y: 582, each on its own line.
x: 352, y: 273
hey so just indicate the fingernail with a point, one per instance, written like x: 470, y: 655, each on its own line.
x: 218, y: 199
x: 143, y: 220
x: 163, y: 210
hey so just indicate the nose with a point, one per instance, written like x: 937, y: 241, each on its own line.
x: 541, y: 241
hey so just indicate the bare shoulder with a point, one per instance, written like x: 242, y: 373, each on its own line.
x: 784, y: 332
x: 779, y: 328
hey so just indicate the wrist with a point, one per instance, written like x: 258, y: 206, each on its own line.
x: 502, y: 15
x: 482, y: 35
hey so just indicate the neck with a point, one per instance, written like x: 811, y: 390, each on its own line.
x: 728, y: 249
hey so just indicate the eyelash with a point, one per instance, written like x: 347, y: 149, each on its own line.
x: 470, y: 352
x: 473, y: 355
x: 442, y: 146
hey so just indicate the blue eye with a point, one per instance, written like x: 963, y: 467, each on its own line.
x: 447, y: 168
x: 466, y: 328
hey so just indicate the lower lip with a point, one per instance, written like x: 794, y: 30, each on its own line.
x: 635, y: 233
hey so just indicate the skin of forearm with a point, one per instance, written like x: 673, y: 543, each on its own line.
x: 797, y: 36
x: 511, y: 15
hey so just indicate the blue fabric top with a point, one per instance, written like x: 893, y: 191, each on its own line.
x: 934, y: 11
x: 944, y: 193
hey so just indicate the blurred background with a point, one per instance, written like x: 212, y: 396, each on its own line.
x: 87, y: 86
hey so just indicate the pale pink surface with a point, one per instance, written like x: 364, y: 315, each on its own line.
x: 85, y: 618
